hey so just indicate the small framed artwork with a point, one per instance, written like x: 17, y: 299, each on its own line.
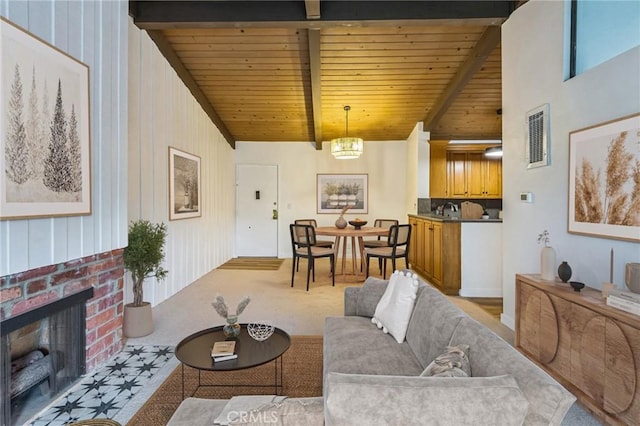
x: 45, y: 148
x: 335, y: 192
x: 604, y: 179
x: 184, y: 185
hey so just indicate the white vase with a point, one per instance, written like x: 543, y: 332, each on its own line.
x: 548, y: 264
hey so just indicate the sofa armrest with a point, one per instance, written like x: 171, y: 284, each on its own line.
x: 366, y: 297
x: 351, y: 300
x: 356, y: 399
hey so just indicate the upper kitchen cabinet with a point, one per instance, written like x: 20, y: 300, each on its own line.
x: 463, y: 172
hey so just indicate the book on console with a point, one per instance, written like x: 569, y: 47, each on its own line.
x: 224, y: 358
x: 626, y: 295
x: 223, y: 348
x: 623, y: 305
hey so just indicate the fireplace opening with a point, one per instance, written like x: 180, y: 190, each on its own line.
x: 42, y: 354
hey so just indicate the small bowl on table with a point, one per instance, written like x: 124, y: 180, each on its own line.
x: 260, y: 330
x: 357, y: 223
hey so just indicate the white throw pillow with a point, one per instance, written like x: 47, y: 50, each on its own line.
x: 396, y: 305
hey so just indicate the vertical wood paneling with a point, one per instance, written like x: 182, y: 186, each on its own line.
x: 94, y: 33
x: 163, y: 113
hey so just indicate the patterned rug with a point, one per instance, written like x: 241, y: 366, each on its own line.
x: 104, y: 393
x: 302, y: 376
x: 253, y: 263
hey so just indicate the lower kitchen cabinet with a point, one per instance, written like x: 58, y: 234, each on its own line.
x: 434, y: 252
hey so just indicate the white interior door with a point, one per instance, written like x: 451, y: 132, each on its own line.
x: 257, y: 210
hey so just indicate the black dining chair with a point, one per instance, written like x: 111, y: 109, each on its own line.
x: 303, y: 245
x: 397, y: 247
x: 379, y: 241
x: 319, y: 243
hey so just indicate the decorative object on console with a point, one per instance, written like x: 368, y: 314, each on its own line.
x: 577, y: 285
x: 564, y: 271
x: 231, y: 328
x: 341, y: 223
x: 547, y: 258
x: 632, y: 276
x: 260, y: 330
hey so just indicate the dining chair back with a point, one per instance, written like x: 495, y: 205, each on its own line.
x: 397, y: 248
x: 303, y: 245
x: 380, y: 241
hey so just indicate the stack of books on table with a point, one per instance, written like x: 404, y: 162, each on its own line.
x: 625, y: 301
x: 224, y: 351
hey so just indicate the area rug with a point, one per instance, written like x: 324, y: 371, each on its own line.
x: 302, y: 365
x: 253, y: 263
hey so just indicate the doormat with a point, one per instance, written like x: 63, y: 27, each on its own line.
x: 253, y: 263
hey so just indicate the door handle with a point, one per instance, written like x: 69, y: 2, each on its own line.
x: 275, y: 214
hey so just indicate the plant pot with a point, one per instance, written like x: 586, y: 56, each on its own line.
x: 138, y: 320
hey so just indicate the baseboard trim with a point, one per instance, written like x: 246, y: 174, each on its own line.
x: 508, y: 321
x: 480, y: 292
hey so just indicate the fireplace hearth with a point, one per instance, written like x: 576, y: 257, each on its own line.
x: 55, y: 363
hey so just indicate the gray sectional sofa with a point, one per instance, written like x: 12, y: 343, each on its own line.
x: 371, y: 379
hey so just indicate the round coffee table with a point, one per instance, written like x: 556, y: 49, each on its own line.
x: 195, y: 351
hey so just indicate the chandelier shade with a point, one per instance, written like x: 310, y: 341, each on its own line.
x: 347, y: 148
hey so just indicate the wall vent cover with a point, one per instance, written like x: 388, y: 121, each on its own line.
x: 538, y: 152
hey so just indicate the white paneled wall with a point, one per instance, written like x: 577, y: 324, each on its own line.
x: 96, y: 34
x: 163, y: 113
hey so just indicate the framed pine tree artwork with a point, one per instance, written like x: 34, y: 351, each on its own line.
x: 44, y: 116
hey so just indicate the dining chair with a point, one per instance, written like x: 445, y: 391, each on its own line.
x: 397, y: 247
x: 319, y: 243
x: 379, y: 242
x: 303, y: 245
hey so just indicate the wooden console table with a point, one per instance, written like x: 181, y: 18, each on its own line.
x: 591, y: 348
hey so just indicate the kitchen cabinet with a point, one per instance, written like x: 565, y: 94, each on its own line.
x: 438, y: 169
x: 434, y: 252
x: 590, y: 348
x: 473, y: 175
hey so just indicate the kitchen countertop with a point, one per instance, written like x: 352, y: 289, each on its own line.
x: 439, y: 218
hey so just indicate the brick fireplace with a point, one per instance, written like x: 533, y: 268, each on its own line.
x: 34, y: 290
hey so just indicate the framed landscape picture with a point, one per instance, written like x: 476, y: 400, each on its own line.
x: 335, y: 192
x: 45, y: 144
x: 604, y: 180
x: 184, y: 185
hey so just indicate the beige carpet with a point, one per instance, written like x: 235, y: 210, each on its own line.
x: 253, y: 263
x: 302, y: 376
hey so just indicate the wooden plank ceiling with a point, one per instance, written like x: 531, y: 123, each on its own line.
x: 288, y: 79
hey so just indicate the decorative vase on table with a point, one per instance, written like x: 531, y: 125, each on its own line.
x: 547, y: 258
x: 564, y: 272
x: 341, y: 223
x: 231, y: 328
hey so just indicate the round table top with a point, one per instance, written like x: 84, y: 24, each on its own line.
x: 195, y: 350
x: 350, y: 231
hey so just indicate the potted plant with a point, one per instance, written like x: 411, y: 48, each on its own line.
x: 142, y: 257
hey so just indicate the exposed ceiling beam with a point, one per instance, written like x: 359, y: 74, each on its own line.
x: 316, y: 95
x: 163, y: 14
x: 313, y: 9
x: 187, y: 78
x: 487, y: 43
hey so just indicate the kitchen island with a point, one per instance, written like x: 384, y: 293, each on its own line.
x: 458, y: 256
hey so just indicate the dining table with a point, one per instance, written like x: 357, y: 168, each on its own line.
x: 357, y: 243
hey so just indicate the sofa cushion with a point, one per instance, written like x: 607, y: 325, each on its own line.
x: 454, y: 362
x: 432, y: 323
x: 279, y: 411
x: 197, y: 411
x: 354, y: 399
x: 369, y: 295
x: 489, y: 355
x: 355, y: 345
x: 396, y: 305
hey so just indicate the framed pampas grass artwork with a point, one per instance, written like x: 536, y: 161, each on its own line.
x: 604, y: 180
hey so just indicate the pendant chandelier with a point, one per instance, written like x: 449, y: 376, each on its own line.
x: 347, y: 148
